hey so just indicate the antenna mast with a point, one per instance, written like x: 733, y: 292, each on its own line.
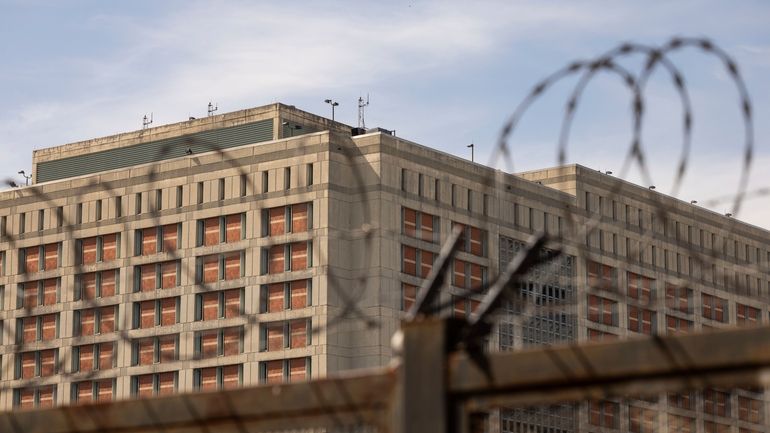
x: 146, y: 121
x: 361, y: 106
x: 212, y: 108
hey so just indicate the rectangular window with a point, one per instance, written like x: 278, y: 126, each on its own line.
x: 93, y: 357
x: 59, y: 217
x: 265, y: 180
x: 640, y: 288
x: 221, y: 189
x: 284, y: 370
x: 714, y: 308
x: 676, y: 325
x: 747, y: 315
x: 158, y: 199
x: 309, y: 174
x: 716, y: 402
x: 96, y: 321
x: 118, y: 207
x: 37, y: 397
x: 218, y: 342
x: 78, y: 213
x: 138, y: 203
x: 751, y: 410
x: 473, y: 240
x: 436, y: 190
x: 468, y: 275
x: 601, y: 276
x: 40, y: 220
x: 158, y: 312
x: 419, y: 225
x: 153, y: 384
x: 37, y: 328
x: 41, y: 363
x: 179, y: 196
x: 283, y: 296
x: 219, y: 305
x: 215, y: 378
x: 641, y: 420
x: 602, y: 310
x: 679, y: 298
x: 287, y: 178
x: 641, y: 320
x: 200, y: 193
x: 604, y: 414
x: 218, y: 267
x: 98, y: 210
x: 155, y: 350
x: 95, y: 391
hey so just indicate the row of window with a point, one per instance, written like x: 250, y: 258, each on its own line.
x: 418, y: 183
x: 156, y: 200
x: 716, y: 403
x: 225, y: 304
x: 165, y: 383
x: 424, y: 226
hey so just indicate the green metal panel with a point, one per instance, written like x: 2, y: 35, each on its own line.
x: 153, y: 151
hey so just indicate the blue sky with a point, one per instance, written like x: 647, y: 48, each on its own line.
x: 441, y: 73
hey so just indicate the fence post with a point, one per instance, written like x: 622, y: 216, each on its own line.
x: 420, y: 404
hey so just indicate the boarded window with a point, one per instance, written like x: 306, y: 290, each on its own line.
x: 277, y: 259
x: 149, y: 241
x: 299, y: 294
x: 299, y: 218
x: 299, y: 256
x: 233, y: 266
x: 277, y: 217
x: 109, y: 247
x: 169, y: 272
x: 233, y: 232
x: 275, y: 297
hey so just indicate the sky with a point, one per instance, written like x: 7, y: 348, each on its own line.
x: 441, y: 73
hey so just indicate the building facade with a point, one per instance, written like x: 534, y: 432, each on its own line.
x: 272, y: 245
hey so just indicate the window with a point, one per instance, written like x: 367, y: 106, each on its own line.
x: 41, y: 363
x: 714, y: 308
x: 138, y: 203
x: 454, y: 195
x: 37, y: 397
x: 118, y: 207
x: 716, y: 402
x: 419, y: 225
x: 604, y: 414
x: 676, y: 325
x: 640, y: 288
x: 78, y: 214
x: 680, y: 424
x: 682, y: 401
x: 287, y: 257
x: 280, y: 220
x: 179, y: 196
x: 216, y: 230
x: 95, y: 321
x: 468, y: 275
x: 596, y: 335
x: 602, y: 310
x: 93, y: 357
x: 403, y: 179
x: 39, y: 258
x: 157, y: 312
x: 641, y: 320
x: 36, y: 293
x: 469, y: 201
x: 463, y: 307
x: 96, y: 249
x: 285, y: 335
x: 200, y: 192
x: 408, y: 296
x: 290, y: 295
x: 474, y: 240
x: 641, y: 420
x: 436, y: 190
x: 213, y: 378
x: 148, y: 385
x: 219, y: 267
x: 158, y: 199
x: 153, y: 276
x: 265, y: 178
x: 219, y: 305
x: 59, y: 216
x: 37, y: 328
x: 98, y: 210
x: 93, y: 391
x: 218, y: 342
x: 679, y: 298
x: 747, y: 315
x: 750, y: 410
x: 155, y: 350
x: 287, y: 178
x: 601, y: 276
x: 309, y: 174
x: 221, y: 189
x: 153, y: 240
x: 284, y: 370
x: 41, y: 219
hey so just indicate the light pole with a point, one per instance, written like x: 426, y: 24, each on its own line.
x: 471, y: 146
x: 333, y: 104
x: 26, y: 178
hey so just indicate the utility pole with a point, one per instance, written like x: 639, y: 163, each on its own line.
x: 471, y: 146
x: 333, y: 104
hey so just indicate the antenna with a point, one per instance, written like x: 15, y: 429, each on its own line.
x: 146, y: 121
x: 212, y: 108
x: 361, y: 106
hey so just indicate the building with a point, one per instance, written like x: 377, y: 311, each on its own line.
x: 271, y: 244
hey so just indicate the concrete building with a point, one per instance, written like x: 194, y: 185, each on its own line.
x: 271, y: 244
